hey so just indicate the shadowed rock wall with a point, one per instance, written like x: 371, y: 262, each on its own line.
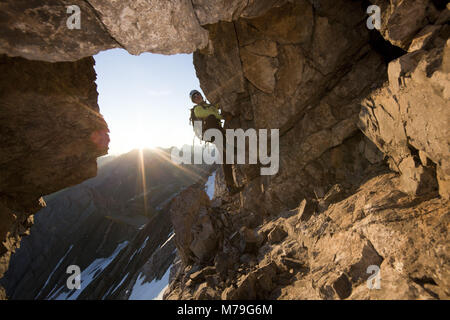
x: 51, y: 133
x: 351, y: 105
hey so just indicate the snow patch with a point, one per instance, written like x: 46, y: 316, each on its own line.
x: 116, y: 287
x: 56, y: 268
x: 171, y: 235
x: 139, y: 250
x: 87, y: 275
x: 150, y: 290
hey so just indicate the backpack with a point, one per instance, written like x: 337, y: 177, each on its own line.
x: 192, y: 118
x: 199, y: 133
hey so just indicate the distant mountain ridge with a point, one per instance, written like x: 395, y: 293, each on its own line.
x: 92, y: 222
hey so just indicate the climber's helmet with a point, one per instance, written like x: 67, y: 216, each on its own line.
x: 193, y: 94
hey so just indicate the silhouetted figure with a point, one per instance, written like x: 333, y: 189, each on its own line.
x: 211, y: 119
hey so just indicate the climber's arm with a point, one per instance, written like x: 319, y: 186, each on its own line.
x: 203, y: 113
x: 217, y: 113
x: 224, y: 114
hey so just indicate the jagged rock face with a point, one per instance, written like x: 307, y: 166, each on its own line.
x: 132, y: 24
x: 331, y: 254
x: 277, y: 71
x: 408, y: 118
x: 51, y: 133
x: 209, y: 12
x: 402, y: 20
x: 195, y: 236
x: 40, y: 101
x: 38, y: 30
x: 315, y: 72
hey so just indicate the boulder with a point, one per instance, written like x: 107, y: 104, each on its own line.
x: 250, y: 240
x: 400, y: 21
x: 205, y: 292
x: 277, y: 234
x: 188, y: 211
x: 204, y: 236
x: 258, y: 284
x: 201, y: 274
x: 306, y: 209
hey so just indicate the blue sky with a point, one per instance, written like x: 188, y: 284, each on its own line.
x: 145, y: 98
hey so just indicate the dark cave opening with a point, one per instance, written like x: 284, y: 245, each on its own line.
x: 383, y: 47
x: 440, y: 4
x: 378, y: 43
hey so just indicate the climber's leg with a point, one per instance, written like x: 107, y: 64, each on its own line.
x: 228, y: 174
x: 228, y: 169
x: 212, y: 122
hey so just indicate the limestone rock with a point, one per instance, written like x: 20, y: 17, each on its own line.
x: 161, y: 26
x: 335, y: 194
x: 64, y: 97
x: 184, y: 213
x: 200, y: 275
x: 346, y: 116
x: 342, y: 245
x: 415, y: 178
x: 251, y: 239
x: 259, y: 70
x: 394, y: 117
x: 393, y: 285
x: 276, y: 234
x: 204, y: 236
x: 263, y: 47
x: 255, y: 285
x: 423, y: 38
x: 204, y: 292
x: 306, y: 209
x: 222, y: 88
x: 257, y: 8
x: 38, y: 31
x: 209, y: 12
x: 51, y: 133
x: 400, y: 21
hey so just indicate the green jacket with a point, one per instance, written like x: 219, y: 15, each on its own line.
x: 202, y: 111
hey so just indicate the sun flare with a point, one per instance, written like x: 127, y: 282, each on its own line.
x: 143, y: 140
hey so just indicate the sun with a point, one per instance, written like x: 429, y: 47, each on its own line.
x: 144, y: 141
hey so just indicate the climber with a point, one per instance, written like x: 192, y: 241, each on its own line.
x: 211, y: 119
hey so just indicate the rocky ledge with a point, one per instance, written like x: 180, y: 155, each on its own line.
x: 323, y: 249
